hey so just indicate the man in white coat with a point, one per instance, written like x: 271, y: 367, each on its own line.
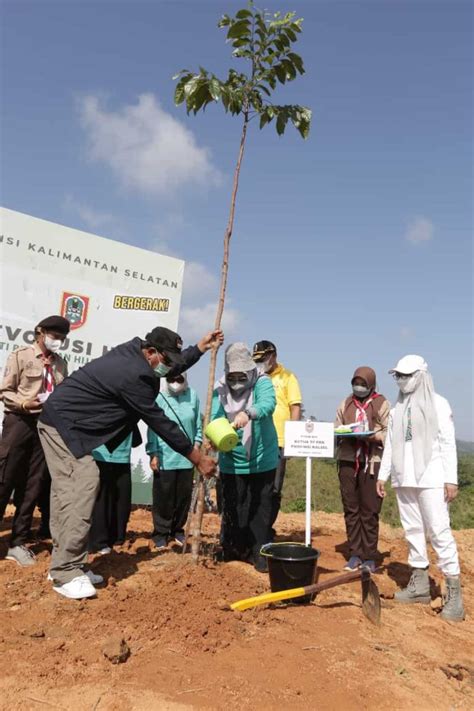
x: 420, y: 456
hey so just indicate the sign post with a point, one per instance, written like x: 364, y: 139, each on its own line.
x: 309, y: 440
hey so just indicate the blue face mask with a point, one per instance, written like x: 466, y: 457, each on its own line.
x: 162, y: 370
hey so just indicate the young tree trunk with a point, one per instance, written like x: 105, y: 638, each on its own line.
x: 196, y: 532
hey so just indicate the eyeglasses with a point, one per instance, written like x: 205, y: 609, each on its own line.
x: 401, y: 376
x: 178, y: 379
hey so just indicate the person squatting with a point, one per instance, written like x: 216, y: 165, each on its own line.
x: 67, y: 440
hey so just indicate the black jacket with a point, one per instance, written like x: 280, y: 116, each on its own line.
x: 102, y: 402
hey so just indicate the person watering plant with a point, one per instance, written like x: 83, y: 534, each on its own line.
x: 420, y: 457
x: 172, y: 473
x: 358, y: 463
x: 247, y: 399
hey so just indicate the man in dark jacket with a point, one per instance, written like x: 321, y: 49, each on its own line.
x: 102, y: 403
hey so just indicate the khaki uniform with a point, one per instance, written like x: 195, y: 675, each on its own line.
x: 23, y: 377
x: 22, y: 464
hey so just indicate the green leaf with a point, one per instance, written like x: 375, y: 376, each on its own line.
x: 295, y: 26
x: 280, y: 72
x: 297, y: 61
x: 290, y: 34
x: 265, y: 118
x: 201, y: 97
x: 215, y: 89
x: 179, y: 94
x: 241, y: 42
x: 239, y: 29
x: 264, y: 89
x: 224, y: 21
x: 241, y: 14
x: 182, y: 71
x: 290, y: 69
x: 282, y: 120
x: 284, y: 39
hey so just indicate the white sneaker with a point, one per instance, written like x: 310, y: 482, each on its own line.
x: 77, y: 589
x: 93, y: 577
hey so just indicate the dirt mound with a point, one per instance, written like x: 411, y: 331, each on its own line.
x: 188, y: 650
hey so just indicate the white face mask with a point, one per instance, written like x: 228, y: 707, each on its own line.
x: 176, y: 388
x: 264, y: 367
x: 52, y: 344
x: 409, y: 385
x: 360, y: 391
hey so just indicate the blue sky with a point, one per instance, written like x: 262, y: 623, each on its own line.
x: 354, y: 247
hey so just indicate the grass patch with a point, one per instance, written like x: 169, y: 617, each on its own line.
x: 326, y: 496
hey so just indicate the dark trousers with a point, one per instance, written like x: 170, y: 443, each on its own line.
x: 172, y: 490
x: 361, y: 509
x: 22, y: 469
x: 44, y: 505
x: 247, y: 506
x: 278, y: 487
x: 112, y: 507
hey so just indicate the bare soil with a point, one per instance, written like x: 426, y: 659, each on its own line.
x: 188, y: 651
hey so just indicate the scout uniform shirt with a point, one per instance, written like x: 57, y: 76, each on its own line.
x: 24, y: 377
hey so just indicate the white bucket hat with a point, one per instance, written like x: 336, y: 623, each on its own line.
x: 410, y: 364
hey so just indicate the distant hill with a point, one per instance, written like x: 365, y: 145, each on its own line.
x: 465, y: 447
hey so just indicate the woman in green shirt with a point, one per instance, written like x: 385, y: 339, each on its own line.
x: 172, y: 473
x: 247, y: 399
x: 114, y: 500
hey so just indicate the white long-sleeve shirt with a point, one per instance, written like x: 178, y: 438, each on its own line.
x: 443, y: 466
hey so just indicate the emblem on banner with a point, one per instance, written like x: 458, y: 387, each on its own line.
x: 309, y: 426
x: 74, y: 307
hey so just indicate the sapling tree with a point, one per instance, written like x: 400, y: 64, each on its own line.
x: 264, y: 42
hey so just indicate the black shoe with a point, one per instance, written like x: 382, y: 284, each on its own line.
x: 260, y: 563
x: 43, y: 533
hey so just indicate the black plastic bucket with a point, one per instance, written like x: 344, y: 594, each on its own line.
x: 291, y: 565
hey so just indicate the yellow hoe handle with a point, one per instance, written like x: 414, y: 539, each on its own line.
x: 249, y: 602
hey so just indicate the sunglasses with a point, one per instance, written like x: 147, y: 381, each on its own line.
x: 401, y: 376
x: 178, y: 379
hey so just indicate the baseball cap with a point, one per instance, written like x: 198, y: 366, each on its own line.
x: 167, y: 342
x: 410, y: 364
x: 261, y: 349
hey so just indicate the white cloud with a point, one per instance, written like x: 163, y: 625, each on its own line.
x: 93, y: 219
x: 147, y: 149
x: 419, y: 230
x: 196, y: 320
x: 199, y: 282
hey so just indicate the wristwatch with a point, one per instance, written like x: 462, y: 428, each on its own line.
x: 248, y: 413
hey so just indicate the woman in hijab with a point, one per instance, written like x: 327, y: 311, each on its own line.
x: 247, y: 400
x: 358, y: 462
x: 172, y: 473
x: 420, y: 456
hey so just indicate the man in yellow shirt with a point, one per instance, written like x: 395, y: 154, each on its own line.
x: 288, y: 407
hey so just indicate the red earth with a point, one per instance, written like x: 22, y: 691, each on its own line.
x: 189, y: 651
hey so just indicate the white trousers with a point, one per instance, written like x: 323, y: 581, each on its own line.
x: 424, y: 513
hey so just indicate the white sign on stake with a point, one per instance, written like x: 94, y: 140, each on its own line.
x: 310, y: 440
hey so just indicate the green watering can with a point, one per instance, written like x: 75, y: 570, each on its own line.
x: 222, y: 435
